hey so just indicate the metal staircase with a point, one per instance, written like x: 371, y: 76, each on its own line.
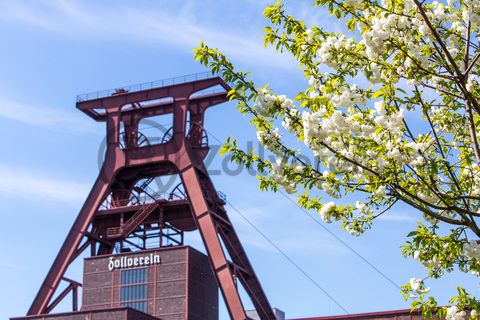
x: 133, y: 222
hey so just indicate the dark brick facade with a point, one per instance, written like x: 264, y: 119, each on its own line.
x: 203, y: 301
x: 181, y: 286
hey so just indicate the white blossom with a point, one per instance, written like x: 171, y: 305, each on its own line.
x: 277, y: 174
x: 416, y: 254
x: 326, y: 211
x: 271, y: 140
x: 418, y: 286
x: 471, y: 250
x: 454, y: 314
x: 310, y: 35
x: 471, y: 83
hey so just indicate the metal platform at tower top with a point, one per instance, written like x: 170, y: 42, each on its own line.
x: 145, y: 86
x: 156, y: 94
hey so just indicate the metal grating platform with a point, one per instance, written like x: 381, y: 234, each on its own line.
x: 145, y: 86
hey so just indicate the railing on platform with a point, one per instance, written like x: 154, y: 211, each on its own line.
x: 145, y: 86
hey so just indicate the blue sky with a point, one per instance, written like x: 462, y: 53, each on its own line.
x: 54, y: 50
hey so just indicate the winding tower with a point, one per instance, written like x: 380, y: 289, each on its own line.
x: 120, y: 207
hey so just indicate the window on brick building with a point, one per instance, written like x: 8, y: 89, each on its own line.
x: 133, y: 292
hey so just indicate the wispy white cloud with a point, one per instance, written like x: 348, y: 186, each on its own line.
x: 27, y: 183
x: 53, y: 118
x: 174, y: 26
x: 8, y: 265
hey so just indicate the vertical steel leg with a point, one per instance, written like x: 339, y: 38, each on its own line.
x: 244, y: 269
x: 208, y: 230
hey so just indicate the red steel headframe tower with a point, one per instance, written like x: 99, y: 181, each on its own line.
x: 129, y: 160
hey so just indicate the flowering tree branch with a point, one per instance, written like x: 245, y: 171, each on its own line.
x: 390, y: 114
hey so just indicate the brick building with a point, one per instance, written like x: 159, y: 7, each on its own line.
x: 172, y: 283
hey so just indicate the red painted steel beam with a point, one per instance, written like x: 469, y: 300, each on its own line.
x: 239, y: 258
x: 60, y: 297
x: 175, y: 91
x: 80, y: 226
x: 80, y: 249
x: 208, y: 230
x: 162, y: 108
x: 75, y: 299
x: 69, y: 249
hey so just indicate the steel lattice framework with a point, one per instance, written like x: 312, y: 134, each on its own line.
x: 113, y: 210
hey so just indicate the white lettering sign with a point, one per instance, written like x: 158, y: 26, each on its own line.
x: 126, y: 262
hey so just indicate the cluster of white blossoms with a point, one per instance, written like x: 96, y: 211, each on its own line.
x: 472, y: 83
x: 347, y: 97
x: 385, y: 129
x: 353, y: 3
x: 418, y: 286
x: 392, y: 122
x: 266, y: 103
x: 474, y: 313
x: 433, y: 263
x: 310, y: 34
x: 271, y: 139
x: 454, y: 314
x: 317, y: 127
x: 328, y: 51
x: 455, y: 39
x: 441, y: 117
x: 439, y: 12
x: 326, y: 212
x: 363, y: 208
x: 291, y: 116
x: 381, y: 192
x: 471, y: 250
x: 277, y: 174
x: 376, y: 72
x: 470, y: 13
x: 311, y: 126
x: 343, y: 97
x: 353, y: 230
x: 315, y: 87
x: 472, y: 174
x: 382, y: 28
